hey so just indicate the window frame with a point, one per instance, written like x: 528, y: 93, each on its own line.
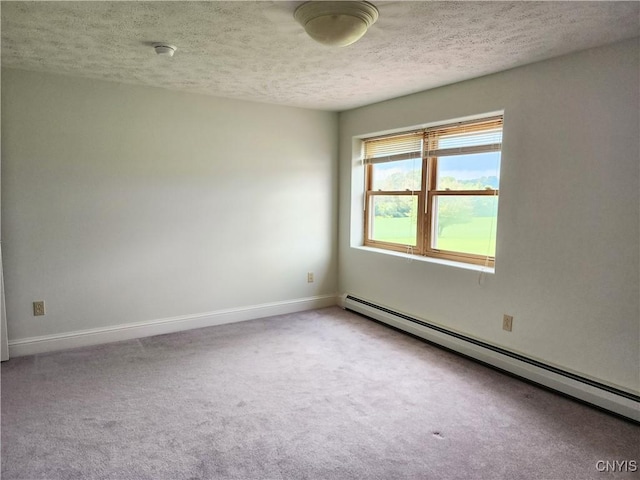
x: 428, y: 192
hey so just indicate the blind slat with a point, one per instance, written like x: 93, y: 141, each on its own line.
x: 394, y: 158
x: 444, y: 152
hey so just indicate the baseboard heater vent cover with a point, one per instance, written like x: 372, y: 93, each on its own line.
x: 600, y: 395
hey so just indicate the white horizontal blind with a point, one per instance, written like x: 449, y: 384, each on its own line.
x: 393, y: 148
x: 464, y: 138
x: 461, y: 138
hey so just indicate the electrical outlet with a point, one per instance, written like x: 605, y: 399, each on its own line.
x: 310, y: 277
x: 38, y: 308
x: 507, y: 322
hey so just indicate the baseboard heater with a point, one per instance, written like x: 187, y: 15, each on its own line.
x: 603, y: 396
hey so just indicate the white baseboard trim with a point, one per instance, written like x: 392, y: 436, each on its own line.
x: 96, y: 336
x: 624, y: 403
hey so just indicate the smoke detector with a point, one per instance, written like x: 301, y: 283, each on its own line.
x: 164, y: 49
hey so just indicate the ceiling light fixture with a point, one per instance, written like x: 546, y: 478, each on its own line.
x: 336, y: 24
x: 164, y: 49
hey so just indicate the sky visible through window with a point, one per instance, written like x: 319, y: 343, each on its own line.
x: 461, y: 167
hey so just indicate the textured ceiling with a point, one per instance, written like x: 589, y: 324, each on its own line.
x: 256, y: 50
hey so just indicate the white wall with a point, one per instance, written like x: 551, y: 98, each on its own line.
x: 567, y: 261
x: 128, y: 204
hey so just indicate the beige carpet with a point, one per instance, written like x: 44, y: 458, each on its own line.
x: 325, y: 394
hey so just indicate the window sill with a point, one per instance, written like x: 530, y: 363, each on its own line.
x: 420, y: 258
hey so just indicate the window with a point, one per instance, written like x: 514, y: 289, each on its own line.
x: 434, y: 192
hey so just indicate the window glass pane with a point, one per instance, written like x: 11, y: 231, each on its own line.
x: 398, y: 176
x: 465, y: 224
x: 394, y: 219
x: 477, y: 171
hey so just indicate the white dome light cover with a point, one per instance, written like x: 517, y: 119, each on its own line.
x: 336, y: 23
x: 164, y: 49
